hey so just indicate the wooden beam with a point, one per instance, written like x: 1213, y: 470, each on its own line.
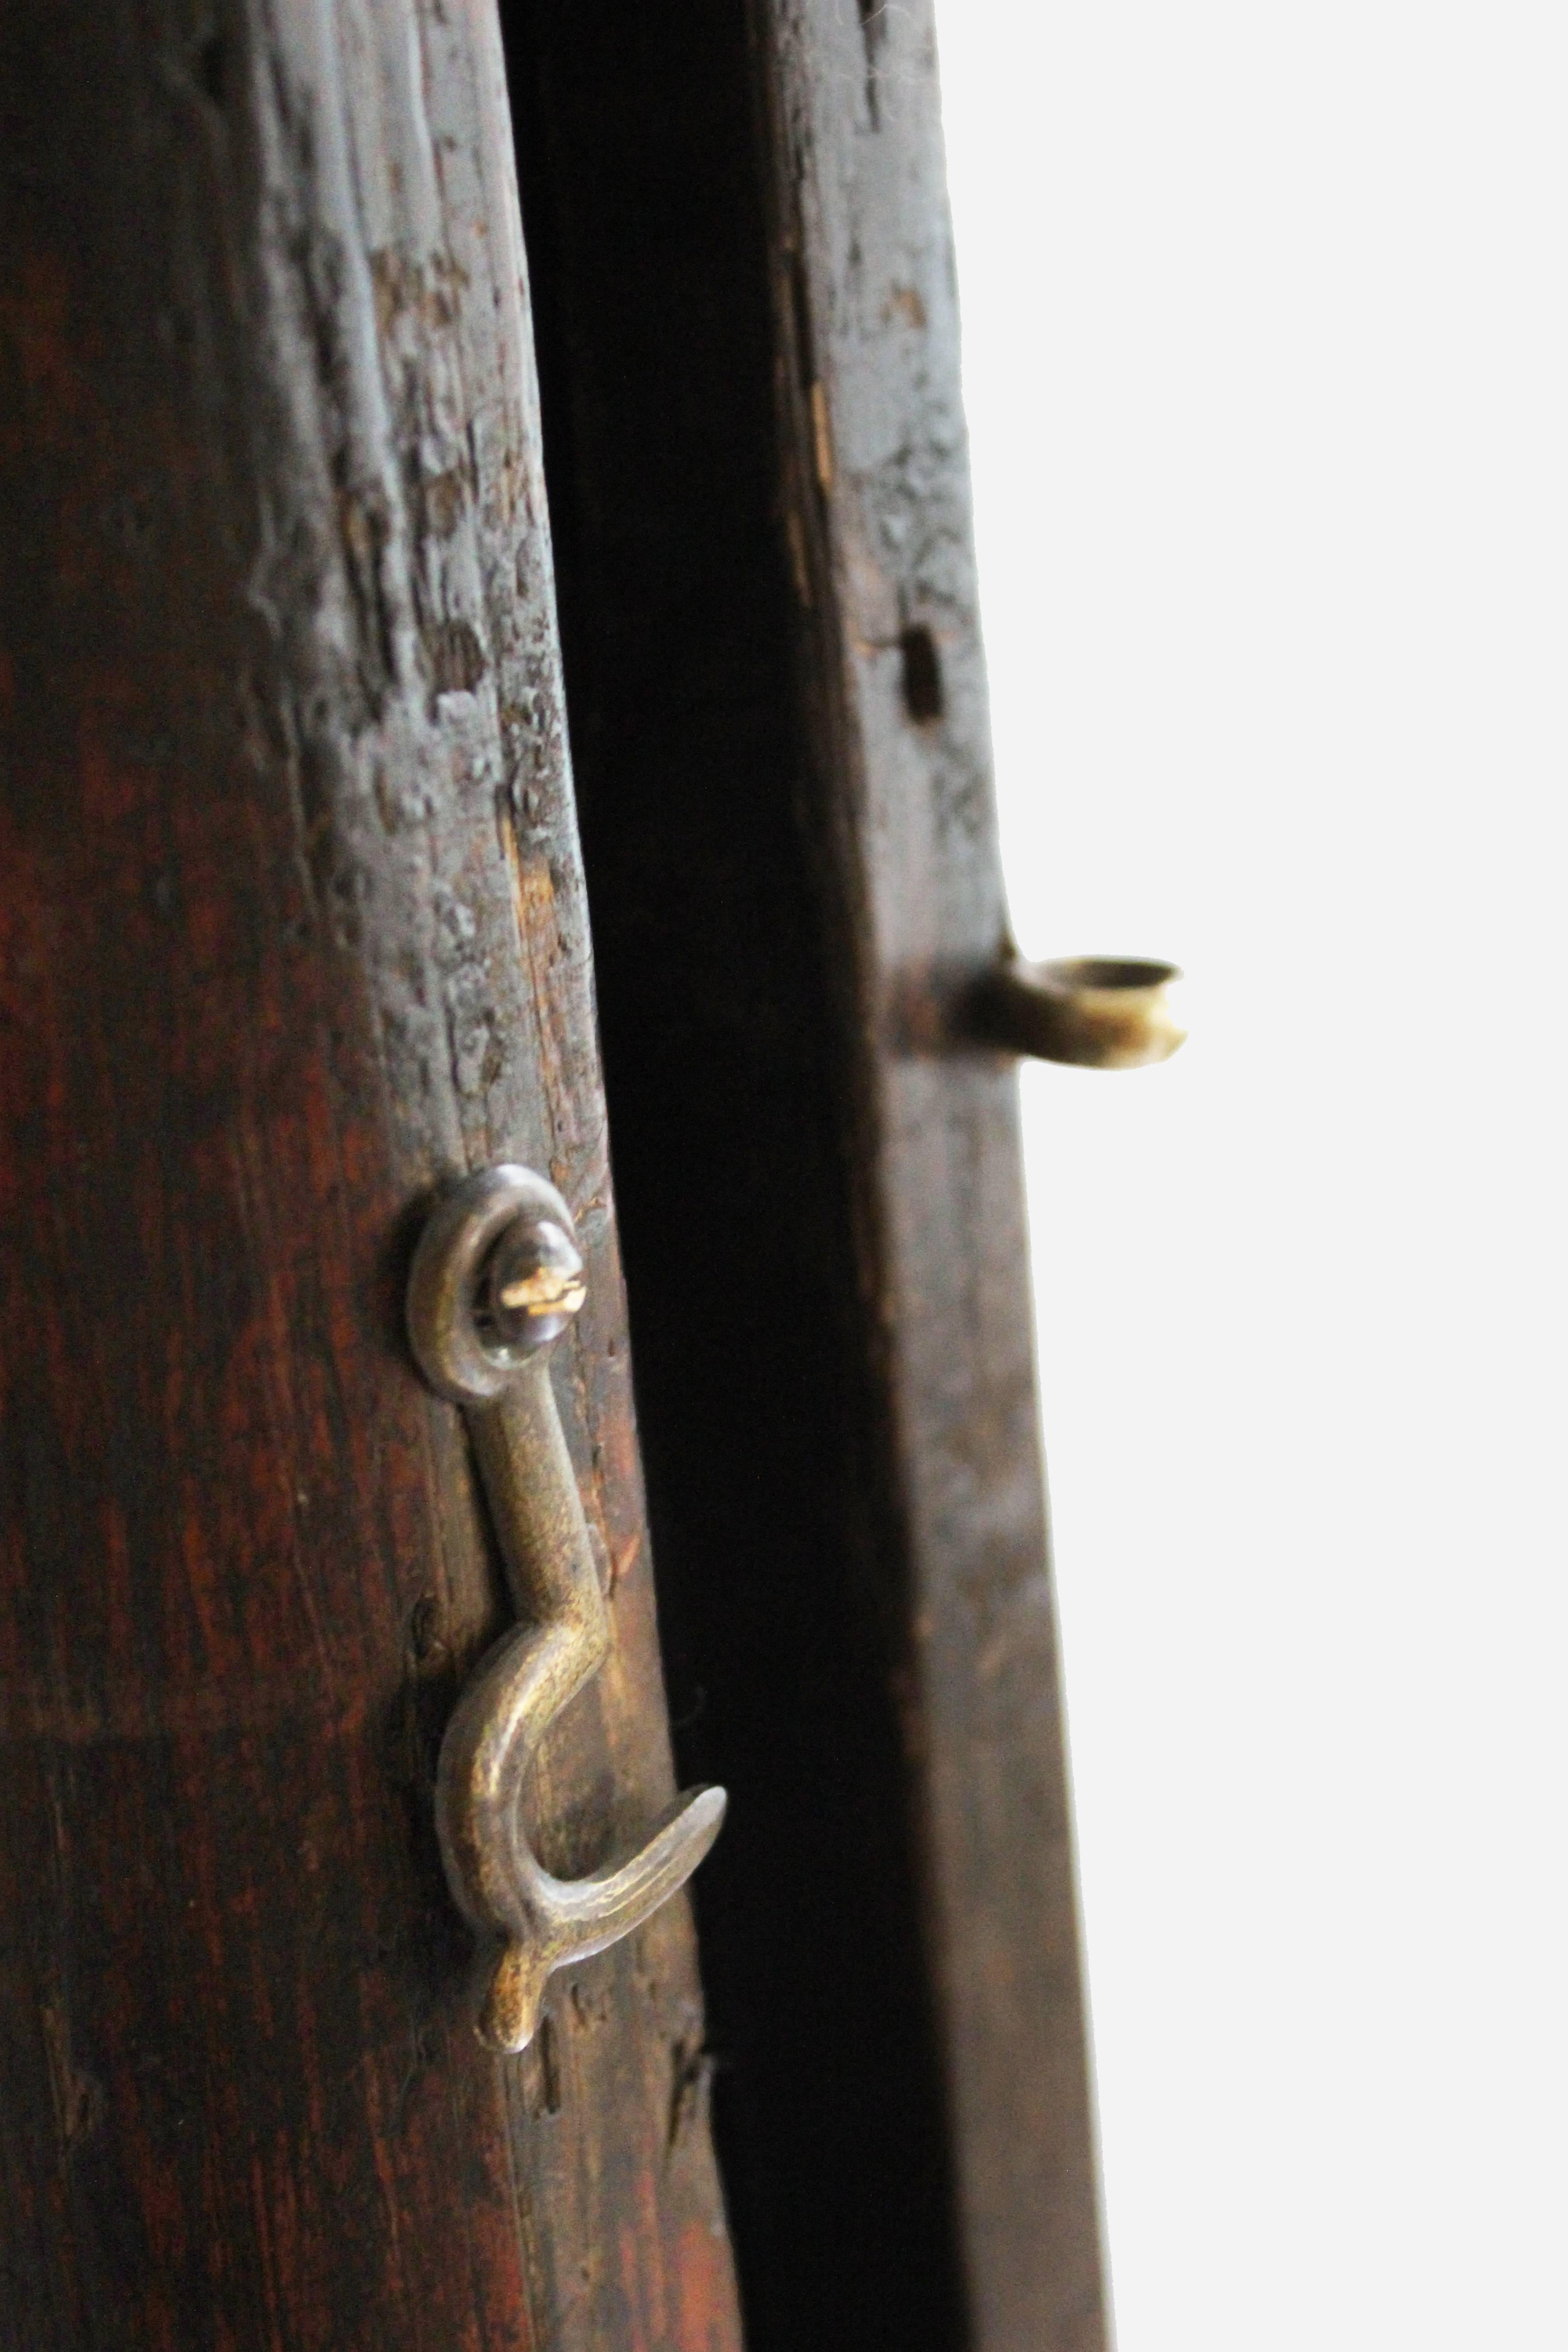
x: 291, y: 930
x: 877, y: 494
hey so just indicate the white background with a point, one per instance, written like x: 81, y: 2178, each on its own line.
x: 1267, y: 376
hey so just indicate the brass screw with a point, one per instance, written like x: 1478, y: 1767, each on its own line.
x: 535, y: 1280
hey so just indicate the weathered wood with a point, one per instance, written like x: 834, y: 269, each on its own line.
x: 291, y: 929
x: 756, y: 452
x: 723, y: 986
x: 757, y: 468
x: 877, y: 493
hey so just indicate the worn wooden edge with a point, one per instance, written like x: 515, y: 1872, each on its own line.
x: 878, y: 513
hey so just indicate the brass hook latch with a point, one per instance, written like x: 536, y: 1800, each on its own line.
x: 497, y: 1277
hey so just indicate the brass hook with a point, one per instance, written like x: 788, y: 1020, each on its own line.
x: 1107, y: 1012
x: 496, y: 1278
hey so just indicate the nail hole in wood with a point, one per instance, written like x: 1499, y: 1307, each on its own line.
x: 922, y: 675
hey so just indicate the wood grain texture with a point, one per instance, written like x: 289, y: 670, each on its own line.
x: 878, y: 501
x: 725, y: 971
x: 748, y: 337
x: 293, y: 928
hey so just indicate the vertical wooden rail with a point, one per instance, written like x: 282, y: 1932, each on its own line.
x: 292, y: 930
x: 876, y: 500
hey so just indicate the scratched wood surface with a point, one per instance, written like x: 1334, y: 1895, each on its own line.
x: 291, y: 929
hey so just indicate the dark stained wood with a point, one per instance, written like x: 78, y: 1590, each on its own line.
x: 748, y: 339
x: 877, y: 487
x: 723, y: 979
x: 291, y: 929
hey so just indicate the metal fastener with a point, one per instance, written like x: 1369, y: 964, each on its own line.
x: 495, y: 1278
